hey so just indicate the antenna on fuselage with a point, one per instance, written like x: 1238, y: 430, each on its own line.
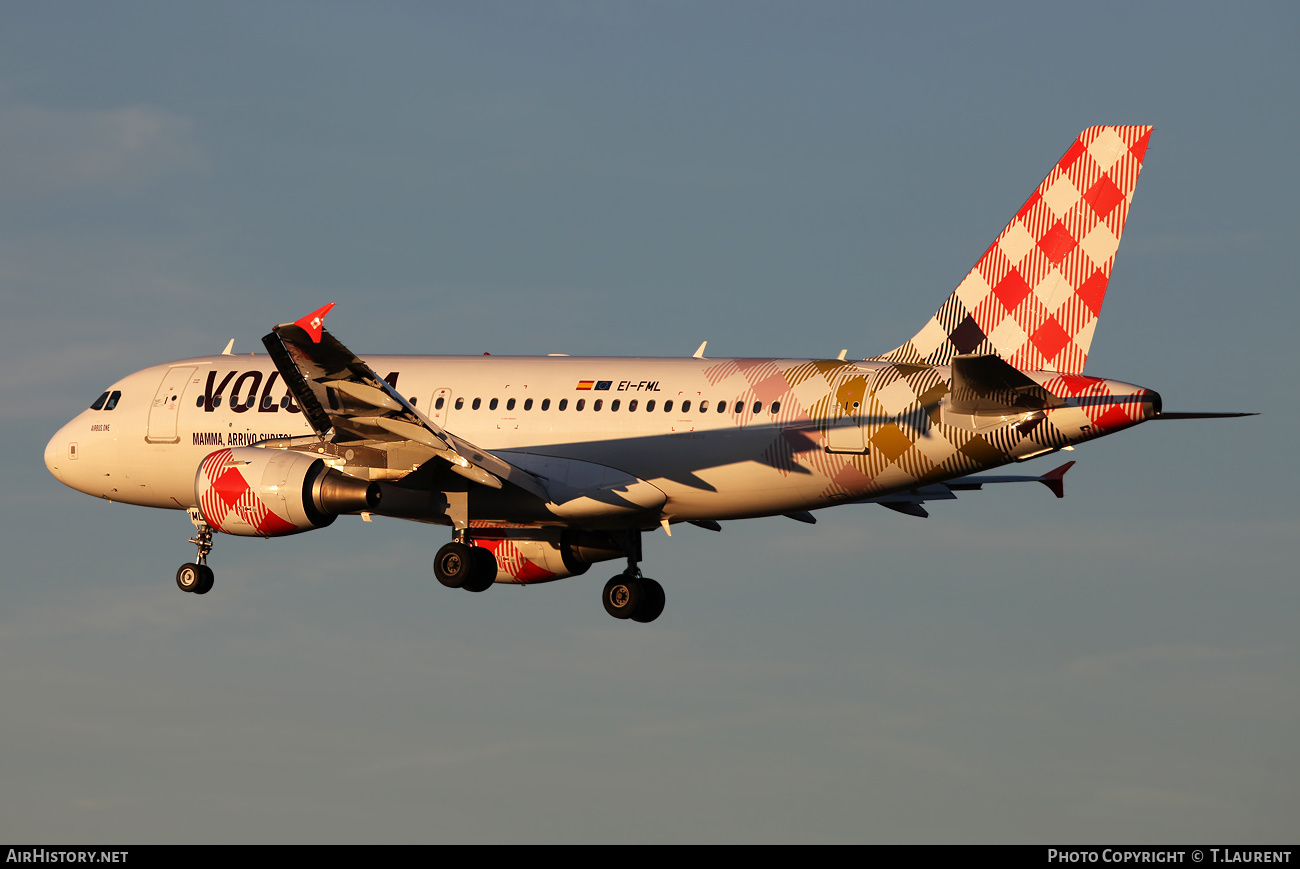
x: 699, y: 354
x: 844, y: 354
x: 230, y: 348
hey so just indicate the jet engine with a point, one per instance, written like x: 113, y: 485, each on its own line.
x: 543, y: 555
x: 256, y: 492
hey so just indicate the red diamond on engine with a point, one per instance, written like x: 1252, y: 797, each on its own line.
x: 230, y: 486
x: 273, y: 526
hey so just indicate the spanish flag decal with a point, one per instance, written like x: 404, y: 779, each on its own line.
x: 586, y: 384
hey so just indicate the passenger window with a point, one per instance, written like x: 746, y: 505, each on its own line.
x: 216, y: 401
x: 686, y: 406
x: 776, y: 406
x: 113, y: 400
x: 704, y: 405
x: 564, y: 403
x: 199, y: 403
x: 613, y: 405
x: 631, y: 405
x: 284, y: 402
x: 267, y: 402
x: 650, y: 405
x: 460, y: 403
x: 510, y: 404
x: 582, y: 402
x: 546, y: 404
x: 477, y: 403
x: 595, y: 405
x: 528, y: 404
x: 758, y: 407
x: 722, y: 407
x: 492, y: 405
x: 437, y: 405
x: 99, y: 402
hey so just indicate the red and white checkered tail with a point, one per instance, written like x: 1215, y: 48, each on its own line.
x: 1034, y: 297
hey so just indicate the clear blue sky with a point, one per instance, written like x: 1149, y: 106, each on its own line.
x: 613, y: 178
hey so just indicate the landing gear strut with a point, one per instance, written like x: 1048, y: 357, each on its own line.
x: 631, y: 595
x: 197, y: 577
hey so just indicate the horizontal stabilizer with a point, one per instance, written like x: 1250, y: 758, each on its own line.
x: 910, y: 502
x: 988, y: 386
x: 1200, y: 415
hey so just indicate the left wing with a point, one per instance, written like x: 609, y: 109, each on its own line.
x: 338, y: 392
x: 910, y: 501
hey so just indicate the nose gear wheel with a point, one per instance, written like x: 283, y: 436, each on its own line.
x: 196, y: 577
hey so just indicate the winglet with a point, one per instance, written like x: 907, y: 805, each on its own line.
x: 1055, y: 480
x: 314, y: 322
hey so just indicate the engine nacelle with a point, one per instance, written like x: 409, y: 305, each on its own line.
x: 543, y: 555
x: 256, y: 492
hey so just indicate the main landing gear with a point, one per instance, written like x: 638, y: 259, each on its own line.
x: 462, y: 565
x: 631, y: 595
x: 197, y: 577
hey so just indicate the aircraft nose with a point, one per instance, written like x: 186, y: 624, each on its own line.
x: 54, y: 453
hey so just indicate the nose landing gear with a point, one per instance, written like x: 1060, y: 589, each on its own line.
x: 197, y: 578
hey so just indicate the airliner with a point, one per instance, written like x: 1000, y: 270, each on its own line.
x: 541, y: 467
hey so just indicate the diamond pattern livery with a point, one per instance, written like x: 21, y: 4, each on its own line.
x: 1061, y: 244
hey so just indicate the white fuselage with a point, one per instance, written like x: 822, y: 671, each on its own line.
x: 655, y: 419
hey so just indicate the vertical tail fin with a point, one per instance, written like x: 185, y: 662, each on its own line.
x: 1035, y: 295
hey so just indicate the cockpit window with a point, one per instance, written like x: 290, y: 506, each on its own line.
x: 113, y: 400
x: 99, y: 402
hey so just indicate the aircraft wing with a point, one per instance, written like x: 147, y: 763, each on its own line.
x: 910, y: 501
x: 339, y: 392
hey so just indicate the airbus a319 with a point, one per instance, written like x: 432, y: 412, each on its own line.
x: 541, y: 467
